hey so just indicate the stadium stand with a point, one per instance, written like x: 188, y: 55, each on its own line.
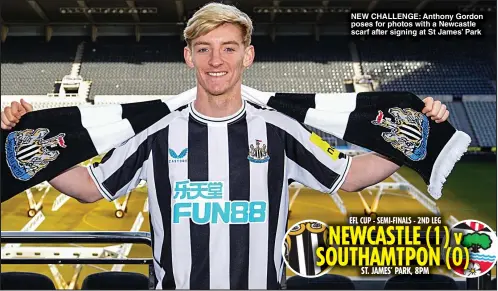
x: 30, y: 65
x: 300, y: 64
x: 119, y: 66
x: 430, y: 66
x: 25, y: 281
x: 483, y: 120
x: 460, y: 120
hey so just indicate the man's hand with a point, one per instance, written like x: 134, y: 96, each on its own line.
x: 435, y: 110
x: 12, y: 114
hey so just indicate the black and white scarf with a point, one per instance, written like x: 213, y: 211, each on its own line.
x: 48, y: 142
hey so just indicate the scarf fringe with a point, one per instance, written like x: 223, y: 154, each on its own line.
x: 449, y: 156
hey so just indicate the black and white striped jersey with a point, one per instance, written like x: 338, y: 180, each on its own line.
x: 218, y: 192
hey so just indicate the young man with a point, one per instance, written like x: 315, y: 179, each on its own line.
x: 217, y: 170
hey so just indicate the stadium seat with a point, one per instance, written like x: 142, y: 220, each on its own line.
x: 460, y: 120
x: 325, y: 282
x: 492, y: 285
x: 292, y: 64
x: 25, y: 281
x: 483, y: 120
x: 116, y: 281
x: 420, y: 282
x: 27, y: 73
x: 448, y: 68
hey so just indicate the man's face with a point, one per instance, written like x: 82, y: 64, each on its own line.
x: 219, y: 58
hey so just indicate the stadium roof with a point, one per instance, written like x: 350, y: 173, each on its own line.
x: 144, y: 12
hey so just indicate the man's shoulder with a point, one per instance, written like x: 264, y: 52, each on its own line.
x: 182, y: 110
x: 271, y: 116
x: 178, y: 114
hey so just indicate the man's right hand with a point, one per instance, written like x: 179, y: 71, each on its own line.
x: 13, y: 113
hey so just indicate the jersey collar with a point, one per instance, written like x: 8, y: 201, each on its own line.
x: 216, y: 120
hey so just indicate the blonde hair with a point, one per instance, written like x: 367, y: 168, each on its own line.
x: 213, y: 15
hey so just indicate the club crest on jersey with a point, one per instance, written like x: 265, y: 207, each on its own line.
x: 258, y: 154
x: 409, y: 131
x: 28, y: 152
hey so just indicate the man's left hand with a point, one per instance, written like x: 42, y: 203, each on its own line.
x: 435, y: 110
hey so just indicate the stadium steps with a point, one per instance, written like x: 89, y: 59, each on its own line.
x: 75, y: 69
x: 355, y: 56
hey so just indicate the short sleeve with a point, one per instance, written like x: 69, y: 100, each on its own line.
x: 122, y: 168
x: 311, y: 161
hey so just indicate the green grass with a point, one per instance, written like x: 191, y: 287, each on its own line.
x: 472, y: 185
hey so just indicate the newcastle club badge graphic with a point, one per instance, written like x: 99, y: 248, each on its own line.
x: 28, y: 152
x: 409, y: 131
x: 299, y: 245
x: 481, y: 241
x: 258, y: 153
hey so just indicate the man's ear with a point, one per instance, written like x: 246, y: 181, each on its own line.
x: 249, y: 56
x: 187, y: 55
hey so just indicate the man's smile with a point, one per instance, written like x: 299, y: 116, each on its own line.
x: 217, y: 74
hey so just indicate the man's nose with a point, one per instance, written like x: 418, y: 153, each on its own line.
x: 215, y: 59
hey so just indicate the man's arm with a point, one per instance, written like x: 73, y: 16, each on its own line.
x: 366, y: 170
x: 77, y: 183
x: 118, y: 173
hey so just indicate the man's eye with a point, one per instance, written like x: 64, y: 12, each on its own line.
x: 202, y: 50
x: 229, y: 49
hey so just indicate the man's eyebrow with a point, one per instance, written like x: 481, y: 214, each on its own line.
x: 201, y: 43
x: 224, y: 43
x: 231, y: 42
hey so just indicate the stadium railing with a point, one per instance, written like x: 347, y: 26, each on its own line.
x: 51, y: 237
x: 48, y: 237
